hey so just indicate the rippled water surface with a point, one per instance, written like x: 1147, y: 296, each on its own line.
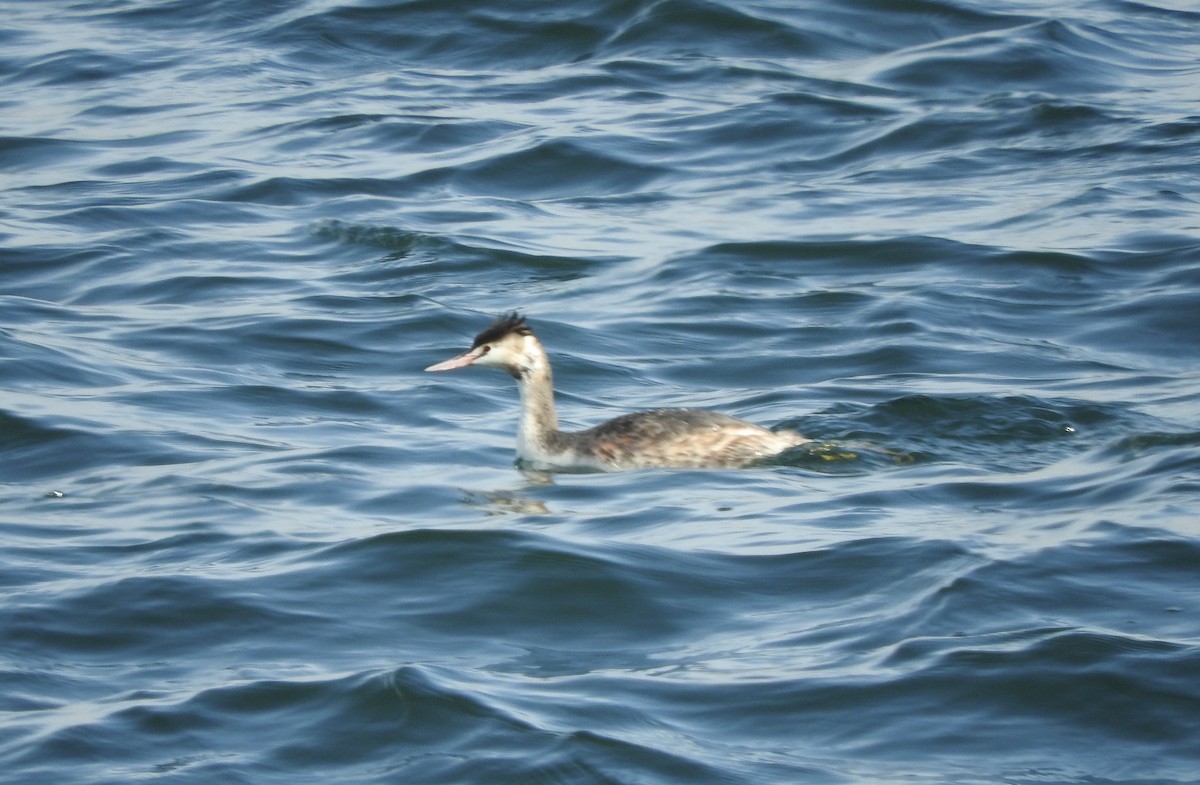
x: 245, y: 539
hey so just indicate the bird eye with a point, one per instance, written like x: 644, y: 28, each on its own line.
x: 487, y: 347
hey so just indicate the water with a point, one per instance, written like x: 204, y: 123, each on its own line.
x: 247, y: 540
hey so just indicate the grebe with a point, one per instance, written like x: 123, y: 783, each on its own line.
x: 679, y: 438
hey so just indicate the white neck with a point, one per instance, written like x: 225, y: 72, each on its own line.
x: 538, y: 433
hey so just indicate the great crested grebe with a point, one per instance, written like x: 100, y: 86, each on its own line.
x: 679, y: 438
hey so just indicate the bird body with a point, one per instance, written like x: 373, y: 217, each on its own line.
x: 677, y: 438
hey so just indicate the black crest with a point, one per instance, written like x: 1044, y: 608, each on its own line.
x: 513, y: 323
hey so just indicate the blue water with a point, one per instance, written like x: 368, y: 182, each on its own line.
x: 245, y: 539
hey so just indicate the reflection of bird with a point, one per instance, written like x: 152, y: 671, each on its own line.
x: 682, y: 438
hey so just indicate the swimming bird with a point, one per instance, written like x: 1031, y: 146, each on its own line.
x: 679, y: 438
